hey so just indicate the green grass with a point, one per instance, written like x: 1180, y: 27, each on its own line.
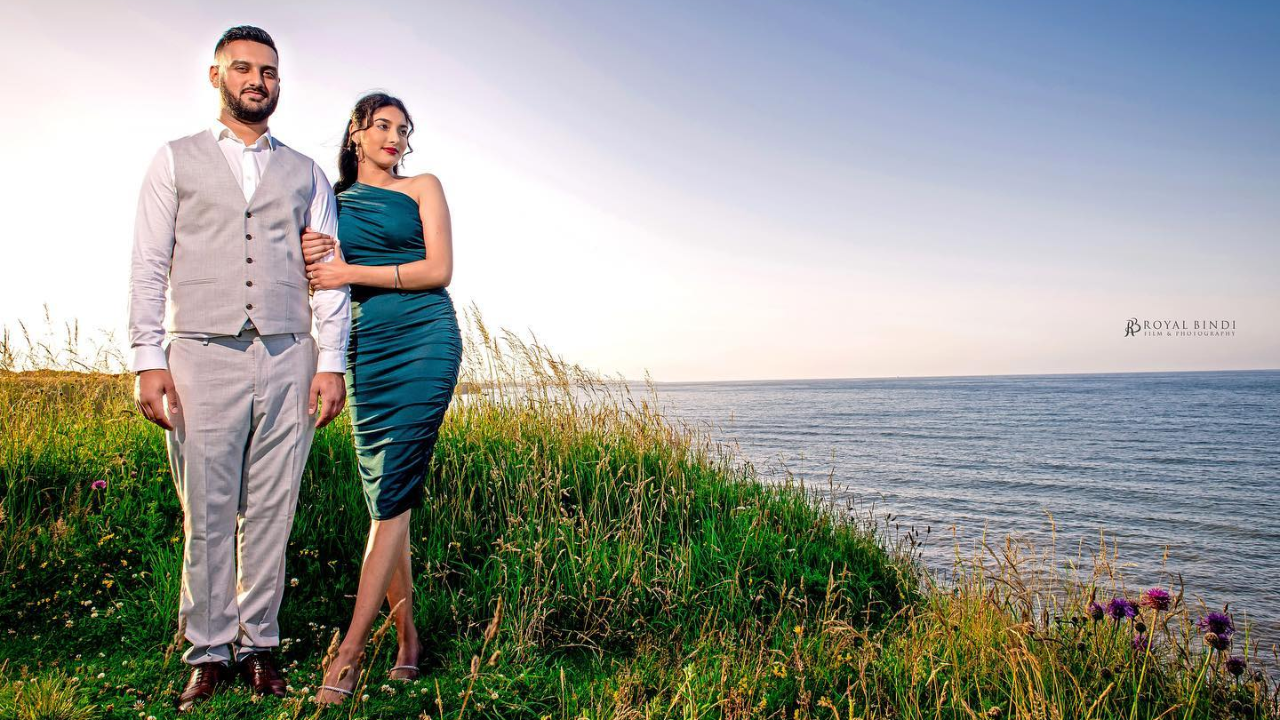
x: 572, y: 560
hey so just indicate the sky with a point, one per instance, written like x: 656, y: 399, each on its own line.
x: 725, y: 191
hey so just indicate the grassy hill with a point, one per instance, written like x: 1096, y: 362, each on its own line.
x: 573, y: 559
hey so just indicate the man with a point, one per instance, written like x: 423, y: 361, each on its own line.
x: 218, y: 226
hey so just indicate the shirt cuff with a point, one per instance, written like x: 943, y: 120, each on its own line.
x: 331, y: 361
x: 148, y: 357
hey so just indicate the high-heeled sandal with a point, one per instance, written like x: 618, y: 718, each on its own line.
x: 417, y: 673
x: 340, y: 691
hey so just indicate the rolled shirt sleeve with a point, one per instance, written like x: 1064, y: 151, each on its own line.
x: 153, y: 240
x: 330, y: 309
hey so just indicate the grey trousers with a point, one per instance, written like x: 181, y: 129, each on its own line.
x: 237, y: 452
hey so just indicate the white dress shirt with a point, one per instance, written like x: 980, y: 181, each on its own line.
x: 153, y: 241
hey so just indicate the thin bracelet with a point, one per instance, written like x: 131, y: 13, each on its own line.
x: 397, y: 278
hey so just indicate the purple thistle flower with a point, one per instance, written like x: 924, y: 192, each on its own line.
x: 1157, y: 599
x: 99, y: 484
x: 1217, y: 642
x: 1095, y: 611
x: 1235, y: 665
x: 1217, y: 623
x: 1121, y: 609
x: 1141, y: 642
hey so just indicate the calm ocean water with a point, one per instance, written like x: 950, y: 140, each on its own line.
x: 1190, y: 461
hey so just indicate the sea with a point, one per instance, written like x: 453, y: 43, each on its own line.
x: 1181, y: 471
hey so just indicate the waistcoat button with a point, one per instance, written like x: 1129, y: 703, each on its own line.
x: 248, y: 306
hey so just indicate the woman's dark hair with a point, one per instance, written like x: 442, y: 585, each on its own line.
x: 362, y: 118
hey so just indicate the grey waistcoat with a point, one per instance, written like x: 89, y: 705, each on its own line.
x: 233, y: 259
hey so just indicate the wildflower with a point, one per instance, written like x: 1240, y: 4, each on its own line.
x: 1120, y: 609
x: 1216, y: 641
x: 1095, y: 611
x: 799, y: 629
x: 1218, y: 624
x: 99, y: 485
x: 1235, y: 665
x: 1157, y: 599
x: 1141, y: 642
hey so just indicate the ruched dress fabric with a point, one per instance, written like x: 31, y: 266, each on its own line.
x: 404, y: 355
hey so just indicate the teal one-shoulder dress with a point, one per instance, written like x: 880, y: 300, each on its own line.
x: 404, y: 354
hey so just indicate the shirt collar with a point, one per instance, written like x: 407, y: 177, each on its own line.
x: 221, y: 131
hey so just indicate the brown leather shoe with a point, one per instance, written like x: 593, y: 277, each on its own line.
x: 260, y: 672
x: 203, y: 683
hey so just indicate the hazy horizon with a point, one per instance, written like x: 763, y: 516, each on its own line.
x: 728, y: 192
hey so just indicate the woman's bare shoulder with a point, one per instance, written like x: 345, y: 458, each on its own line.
x: 426, y: 188
x: 425, y: 181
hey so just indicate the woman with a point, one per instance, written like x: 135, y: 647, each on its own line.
x: 402, y: 360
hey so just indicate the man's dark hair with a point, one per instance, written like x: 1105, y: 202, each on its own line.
x: 244, y: 32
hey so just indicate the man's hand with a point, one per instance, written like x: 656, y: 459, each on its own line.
x: 316, y: 245
x: 331, y: 388
x: 149, y: 392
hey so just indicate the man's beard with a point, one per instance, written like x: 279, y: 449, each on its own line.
x: 245, y: 113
